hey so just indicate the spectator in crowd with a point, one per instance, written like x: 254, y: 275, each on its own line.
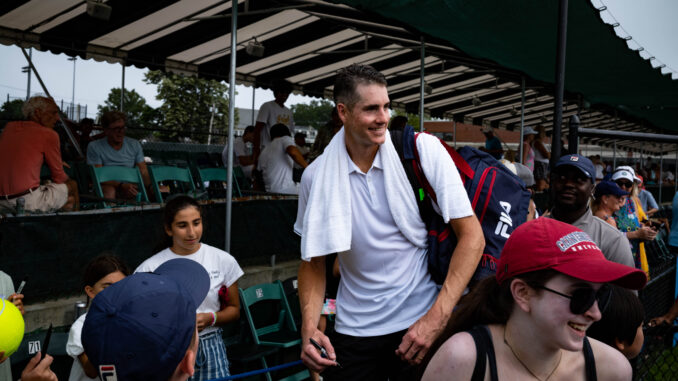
x: 528, y: 152
x: 530, y: 320
x: 653, y: 174
x: 398, y: 123
x: 117, y: 150
x: 272, y: 113
x: 669, y: 178
x: 608, y: 197
x: 24, y: 147
x: 621, y: 326
x: 541, y: 159
x: 84, y: 133
x: 325, y: 134
x: 646, y: 198
x: 389, y: 310
x: 276, y: 161
x: 572, y: 182
x: 600, y: 167
x: 630, y: 216
x: 492, y: 143
x: 300, y: 142
x: 101, y: 272
x: 143, y: 327
x: 242, y: 157
x: 183, y: 226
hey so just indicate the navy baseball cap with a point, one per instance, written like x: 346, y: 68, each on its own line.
x: 609, y: 187
x: 580, y: 162
x: 140, y: 327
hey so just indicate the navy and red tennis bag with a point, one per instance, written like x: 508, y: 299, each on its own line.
x: 498, y: 197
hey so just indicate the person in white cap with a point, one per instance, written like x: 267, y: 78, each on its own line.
x: 630, y: 216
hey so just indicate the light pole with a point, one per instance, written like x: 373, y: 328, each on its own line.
x: 27, y: 70
x: 72, y: 113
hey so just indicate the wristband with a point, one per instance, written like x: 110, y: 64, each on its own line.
x: 214, y: 319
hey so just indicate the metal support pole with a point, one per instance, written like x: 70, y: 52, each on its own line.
x: 72, y: 116
x: 560, y: 83
x: 254, y: 89
x: 675, y: 172
x: 231, y: 125
x: 44, y: 88
x: 422, y: 84
x: 28, y: 86
x: 573, y: 138
x: 454, y: 124
x: 614, y: 155
x: 660, y: 180
x: 122, y: 90
x: 522, y: 120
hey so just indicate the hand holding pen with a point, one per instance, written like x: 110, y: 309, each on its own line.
x: 323, y: 351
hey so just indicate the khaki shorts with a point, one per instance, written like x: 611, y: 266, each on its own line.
x: 47, y: 198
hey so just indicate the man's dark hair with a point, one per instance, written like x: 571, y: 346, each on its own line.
x: 279, y: 130
x: 248, y: 129
x: 281, y: 86
x: 398, y: 123
x: 300, y: 135
x: 112, y: 117
x: 350, y: 77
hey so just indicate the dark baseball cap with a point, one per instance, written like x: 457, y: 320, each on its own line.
x: 580, y: 162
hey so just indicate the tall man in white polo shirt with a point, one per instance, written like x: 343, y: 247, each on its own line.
x: 389, y: 311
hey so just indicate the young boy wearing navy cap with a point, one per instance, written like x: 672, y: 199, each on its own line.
x: 143, y: 327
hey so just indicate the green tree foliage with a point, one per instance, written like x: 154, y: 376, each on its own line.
x: 139, y: 114
x: 11, y: 110
x: 187, y: 107
x: 314, y: 114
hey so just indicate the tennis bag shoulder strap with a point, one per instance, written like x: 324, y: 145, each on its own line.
x: 498, y: 197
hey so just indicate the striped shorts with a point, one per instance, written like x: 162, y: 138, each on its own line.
x: 211, y: 361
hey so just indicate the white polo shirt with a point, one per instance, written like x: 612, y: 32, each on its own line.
x: 385, y: 285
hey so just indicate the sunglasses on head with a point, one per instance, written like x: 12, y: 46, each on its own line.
x: 583, y: 298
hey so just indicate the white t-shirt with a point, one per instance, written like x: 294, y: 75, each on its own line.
x: 271, y: 114
x: 304, y: 152
x: 74, y: 349
x: 276, y: 165
x: 385, y: 285
x: 239, y: 149
x: 220, y: 265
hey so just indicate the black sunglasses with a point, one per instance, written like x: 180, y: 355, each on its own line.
x: 583, y: 298
x: 624, y: 184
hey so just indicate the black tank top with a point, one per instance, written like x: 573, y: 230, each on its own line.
x: 485, y: 354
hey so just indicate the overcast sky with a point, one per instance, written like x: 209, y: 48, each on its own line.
x: 651, y: 23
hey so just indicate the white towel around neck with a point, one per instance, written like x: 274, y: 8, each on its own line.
x: 327, y: 218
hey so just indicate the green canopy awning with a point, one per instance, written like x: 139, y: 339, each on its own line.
x: 521, y: 35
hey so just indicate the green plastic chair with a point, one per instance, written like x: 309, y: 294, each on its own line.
x: 115, y: 173
x: 242, y: 349
x: 163, y: 173
x: 217, y: 174
x: 274, y: 327
x: 279, y: 331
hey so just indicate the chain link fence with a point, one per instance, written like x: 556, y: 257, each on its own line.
x: 659, y: 358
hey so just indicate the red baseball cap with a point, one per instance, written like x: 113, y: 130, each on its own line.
x: 546, y: 243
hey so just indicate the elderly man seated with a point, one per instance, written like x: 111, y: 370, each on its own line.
x: 24, y: 147
x: 117, y: 150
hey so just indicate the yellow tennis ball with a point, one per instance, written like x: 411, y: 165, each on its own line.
x: 11, y: 327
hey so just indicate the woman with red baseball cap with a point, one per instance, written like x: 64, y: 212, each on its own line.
x: 529, y: 321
